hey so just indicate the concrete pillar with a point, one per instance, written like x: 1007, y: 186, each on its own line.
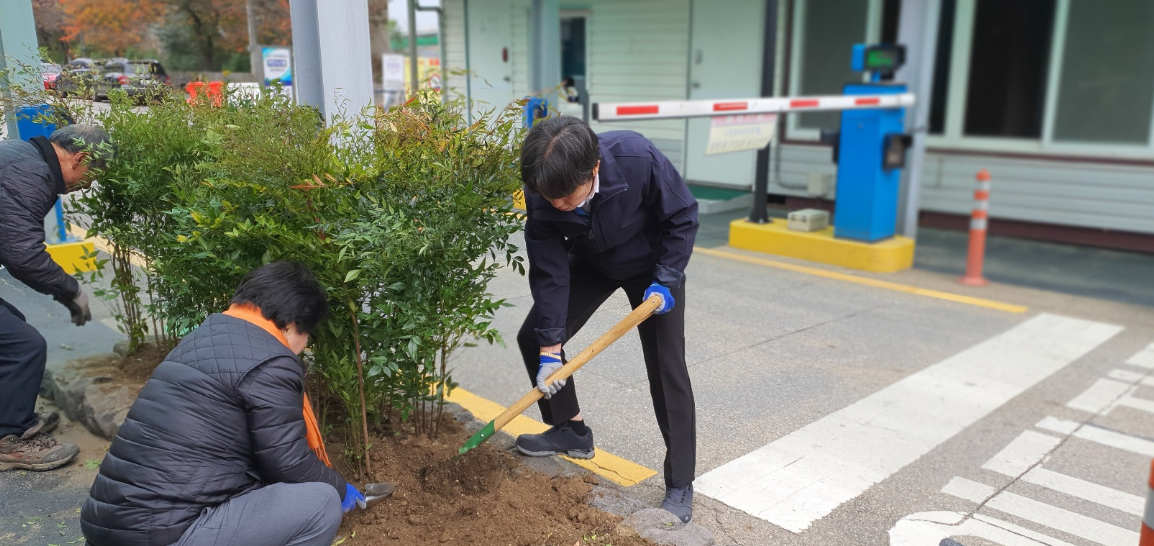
x: 545, y: 49
x: 332, y: 57
x: 918, y: 30
x: 18, y: 42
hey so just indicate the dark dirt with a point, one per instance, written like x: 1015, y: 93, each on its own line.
x: 138, y: 366
x: 484, y: 497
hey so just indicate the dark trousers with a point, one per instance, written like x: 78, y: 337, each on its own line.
x: 662, y: 343
x: 23, y: 353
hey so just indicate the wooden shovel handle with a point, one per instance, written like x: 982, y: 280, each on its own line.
x: 637, y: 316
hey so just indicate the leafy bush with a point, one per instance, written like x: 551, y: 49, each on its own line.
x: 404, y: 216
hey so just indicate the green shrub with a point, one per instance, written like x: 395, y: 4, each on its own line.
x: 404, y: 216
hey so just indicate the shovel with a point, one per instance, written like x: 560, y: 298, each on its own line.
x: 375, y: 492
x: 631, y: 320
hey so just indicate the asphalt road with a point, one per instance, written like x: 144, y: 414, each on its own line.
x: 835, y: 413
x: 911, y: 420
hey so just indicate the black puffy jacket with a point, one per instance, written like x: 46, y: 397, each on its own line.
x: 30, y: 181
x: 220, y: 416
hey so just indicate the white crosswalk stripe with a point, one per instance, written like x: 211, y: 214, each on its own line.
x: 1024, y: 460
x: 800, y: 478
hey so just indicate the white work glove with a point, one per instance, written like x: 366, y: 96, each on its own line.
x: 550, y: 362
x: 78, y: 306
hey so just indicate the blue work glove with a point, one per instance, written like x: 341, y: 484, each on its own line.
x: 550, y: 362
x: 666, y: 298
x: 353, y: 499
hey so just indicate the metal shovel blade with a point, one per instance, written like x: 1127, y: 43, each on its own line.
x: 375, y: 492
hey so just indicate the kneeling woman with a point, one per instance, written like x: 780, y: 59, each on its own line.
x: 214, y: 450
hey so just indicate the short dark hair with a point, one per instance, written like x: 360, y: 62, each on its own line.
x: 558, y: 155
x: 79, y: 138
x: 286, y: 293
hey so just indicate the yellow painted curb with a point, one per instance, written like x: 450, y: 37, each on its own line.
x: 70, y: 256
x: 886, y: 256
x: 876, y: 283
x: 611, y: 467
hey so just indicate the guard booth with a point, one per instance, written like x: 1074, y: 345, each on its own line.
x: 869, y: 151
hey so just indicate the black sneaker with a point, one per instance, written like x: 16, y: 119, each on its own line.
x: 559, y: 440
x: 679, y: 502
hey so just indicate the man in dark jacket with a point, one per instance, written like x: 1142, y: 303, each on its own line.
x: 605, y: 213
x: 214, y: 451
x: 32, y: 175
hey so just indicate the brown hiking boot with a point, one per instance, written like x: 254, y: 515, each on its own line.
x: 42, y: 452
x: 47, y: 423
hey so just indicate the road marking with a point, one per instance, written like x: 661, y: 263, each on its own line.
x: 1099, y: 435
x: 1099, y: 398
x: 1024, y: 452
x: 1131, y: 377
x: 1134, y: 402
x: 929, y: 528
x: 876, y: 283
x: 1060, y: 426
x: 1144, y: 358
x: 616, y: 469
x: 803, y: 476
x: 968, y: 489
x: 1100, y: 494
x: 1019, y: 459
x: 1057, y: 518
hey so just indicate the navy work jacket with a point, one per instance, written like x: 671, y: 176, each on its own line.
x: 641, y: 222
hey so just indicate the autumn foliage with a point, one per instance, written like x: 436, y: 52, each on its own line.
x: 109, y: 25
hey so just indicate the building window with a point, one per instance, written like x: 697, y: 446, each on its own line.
x: 941, y: 85
x: 829, y: 29
x: 1025, y: 76
x: 1106, y: 85
x: 1006, y: 96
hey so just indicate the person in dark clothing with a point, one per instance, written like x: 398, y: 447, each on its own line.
x: 605, y: 213
x: 32, y: 175
x: 214, y: 449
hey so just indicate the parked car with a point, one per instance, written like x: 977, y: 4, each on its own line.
x: 49, y: 73
x: 81, y: 82
x: 80, y: 77
x: 139, y: 79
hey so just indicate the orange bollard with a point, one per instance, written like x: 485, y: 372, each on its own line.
x: 193, y: 88
x: 215, y: 92
x: 1147, y: 536
x: 978, y: 223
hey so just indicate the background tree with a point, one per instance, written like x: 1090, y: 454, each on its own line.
x: 273, y: 22
x: 50, y: 31
x: 207, y: 32
x: 111, y: 26
x: 379, y: 34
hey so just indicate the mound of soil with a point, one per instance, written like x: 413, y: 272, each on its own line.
x: 138, y: 366
x: 483, y: 497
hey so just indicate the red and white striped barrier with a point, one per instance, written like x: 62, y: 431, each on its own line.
x: 979, y: 221
x: 619, y: 111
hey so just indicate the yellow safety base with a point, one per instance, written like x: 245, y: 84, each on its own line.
x: 70, y: 256
x: 886, y: 256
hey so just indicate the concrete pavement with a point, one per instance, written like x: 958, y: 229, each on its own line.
x: 772, y: 352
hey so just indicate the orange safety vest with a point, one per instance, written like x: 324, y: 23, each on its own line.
x: 251, y: 313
